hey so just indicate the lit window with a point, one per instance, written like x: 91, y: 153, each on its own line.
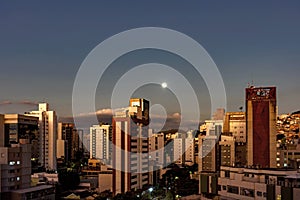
x: 12, y: 163
x: 18, y: 162
x: 18, y: 178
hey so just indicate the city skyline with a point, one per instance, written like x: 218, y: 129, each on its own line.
x: 252, y: 42
x: 150, y: 100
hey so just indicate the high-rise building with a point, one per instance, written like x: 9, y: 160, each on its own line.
x: 47, y: 135
x: 189, y: 148
x: 208, y: 146
x: 15, y: 161
x: 233, y: 140
x: 261, y: 126
x: 156, y: 156
x: 227, y: 150
x: 15, y: 167
x: 130, y: 152
x: 68, y: 141
x: 100, y: 139
x: 17, y: 127
x: 156, y: 144
x: 235, y: 123
x: 178, y: 151
x: 209, y: 157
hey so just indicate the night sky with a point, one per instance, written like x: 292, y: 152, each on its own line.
x: 42, y: 45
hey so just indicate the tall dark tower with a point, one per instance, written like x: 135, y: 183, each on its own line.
x: 261, y: 126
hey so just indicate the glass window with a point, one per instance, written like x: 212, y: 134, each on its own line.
x: 258, y: 193
x: 265, y: 194
x: 227, y: 174
x: 233, y: 189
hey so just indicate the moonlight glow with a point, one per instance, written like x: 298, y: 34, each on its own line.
x: 164, y: 85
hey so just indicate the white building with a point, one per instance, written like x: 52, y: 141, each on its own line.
x: 184, y: 149
x: 208, y: 146
x: 235, y: 123
x: 178, y: 151
x: 99, y: 141
x: 189, y: 155
x: 47, y: 135
x: 156, y: 147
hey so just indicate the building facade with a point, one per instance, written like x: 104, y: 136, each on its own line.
x: 209, y: 157
x: 69, y: 142
x: 17, y: 127
x: 130, y: 150
x: 156, y: 145
x: 261, y: 115
x: 251, y: 183
x: 15, y: 160
x: 47, y: 135
x: 100, y: 142
x: 235, y: 123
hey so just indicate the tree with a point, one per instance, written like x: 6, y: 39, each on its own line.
x: 68, y: 179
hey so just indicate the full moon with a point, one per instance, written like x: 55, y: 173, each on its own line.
x: 164, y: 85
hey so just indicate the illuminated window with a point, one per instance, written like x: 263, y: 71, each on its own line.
x: 18, y: 162
x: 12, y: 163
x: 18, y: 178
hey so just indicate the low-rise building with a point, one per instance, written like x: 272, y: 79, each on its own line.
x: 252, y: 183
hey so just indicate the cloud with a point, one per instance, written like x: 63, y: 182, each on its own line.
x: 106, y: 111
x: 18, y: 102
x: 158, y: 121
x: 28, y: 103
x: 5, y: 103
x: 17, y: 107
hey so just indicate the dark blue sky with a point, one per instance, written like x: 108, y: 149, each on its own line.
x: 42, y: 44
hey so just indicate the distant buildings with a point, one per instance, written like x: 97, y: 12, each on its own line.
x: 156, y: 145
x: 178, y: 151
x: 69, y: 142
x: 189, y: 148
x: 98, y: 172
x: 184, y: 149
x: 100, y: 142
x: 209, y: 157
x: 235, y: 123
x: 261, y: 114
x: 208, y: 146
x: 47, y: 135
x: 233, y: 142
x: 130, y: 152
x: 156, y: 156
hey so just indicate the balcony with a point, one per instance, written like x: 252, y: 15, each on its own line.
x: 251, y: 179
